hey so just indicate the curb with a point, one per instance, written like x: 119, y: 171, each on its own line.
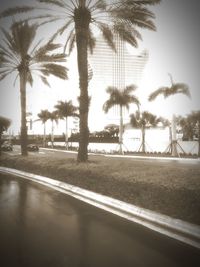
x: 174, y: 228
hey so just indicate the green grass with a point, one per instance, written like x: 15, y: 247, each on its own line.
x: 169, y: 188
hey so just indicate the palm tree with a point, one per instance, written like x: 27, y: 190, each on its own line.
x: 167, y: 123
x: 122, y: 98
x: 53, y: 116
x: 175, y: 88
x: 66, y: 109
x: 122, y: 17
x: 144, y: 121
x: 44, y: 115
x: 17, y: 54
x: 187, y: 125
x: 4, y: 125
x: 195, y: 118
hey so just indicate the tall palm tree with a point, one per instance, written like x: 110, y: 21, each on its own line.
x: 53, y: 117
x: 144, y: 121
x: 66, y: 109
x: 122, y: 98
x: 175, y: 88
x: 44, y: 115
x: 4, y: 125
x: 17, y: 54
x: 122, y: 17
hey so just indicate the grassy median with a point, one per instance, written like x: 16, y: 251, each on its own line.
x: 169, y: 188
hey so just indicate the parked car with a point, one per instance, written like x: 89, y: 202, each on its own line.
x: 33, y: 147
x: 6, y: 147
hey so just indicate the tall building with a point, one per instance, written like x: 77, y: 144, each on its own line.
x: 116, y: 68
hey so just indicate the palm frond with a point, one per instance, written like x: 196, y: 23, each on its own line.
x: 100, y: 4
x: 44, y: 80
x: 130, y: 14
x: 54, y: 69
x: 7, y: 73
x: 165, y: 122
x: 160, y: 91
x: 108, y: 105
x: 66, y: 109
x: 134, y: 121
x: 111, y: 89
x: 107, y: 34
x: 61, y: 30
x: 91, y: 41
x: 130, y: 88
x: 9, y: 42
x: 181, y: 88
x: 8, y: 52
x: 145, y: 24
x: 45, y: 49
x: 53, y: 2
x: 136, y: 16
x: 70, y: 36
x: 71, y: 43
x: 134, y: 100
x: 126, y: 34
x: 23, y: 35
x: 29, y: 78
x: 44, y: 115
x: 16, y: 10
x: 131, y: 3
x: 50, y: 58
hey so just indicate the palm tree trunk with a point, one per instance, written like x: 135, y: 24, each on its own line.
x: 174, y: 141
x: 0, y: 142
x: 170, y: 139
x: 52, y: 135
x: 198, y: 123
x: 66, y: 135
x: 143, y: 139
x: 24, y: 151
x: 121, y: 131
x: 44, y: 136
x: 82, y: 19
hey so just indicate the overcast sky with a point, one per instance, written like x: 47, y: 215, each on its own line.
x: 174, y: 49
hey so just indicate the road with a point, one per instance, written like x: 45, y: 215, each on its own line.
x: 43, y: 227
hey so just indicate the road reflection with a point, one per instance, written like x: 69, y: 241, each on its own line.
x: 42, y: 227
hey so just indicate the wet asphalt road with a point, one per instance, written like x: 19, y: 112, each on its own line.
x: 41, y: 227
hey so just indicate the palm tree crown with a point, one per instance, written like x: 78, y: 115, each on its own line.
x: 144, y: 119
x: 123, y: 98
x: 66, y: 109
x: 18, y: 55
x: 44, y: 115
x: 175, y: 88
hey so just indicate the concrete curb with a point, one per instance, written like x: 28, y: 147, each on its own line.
x: 174, y: 228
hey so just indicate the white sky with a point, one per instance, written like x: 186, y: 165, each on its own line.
x: 174, y: 49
